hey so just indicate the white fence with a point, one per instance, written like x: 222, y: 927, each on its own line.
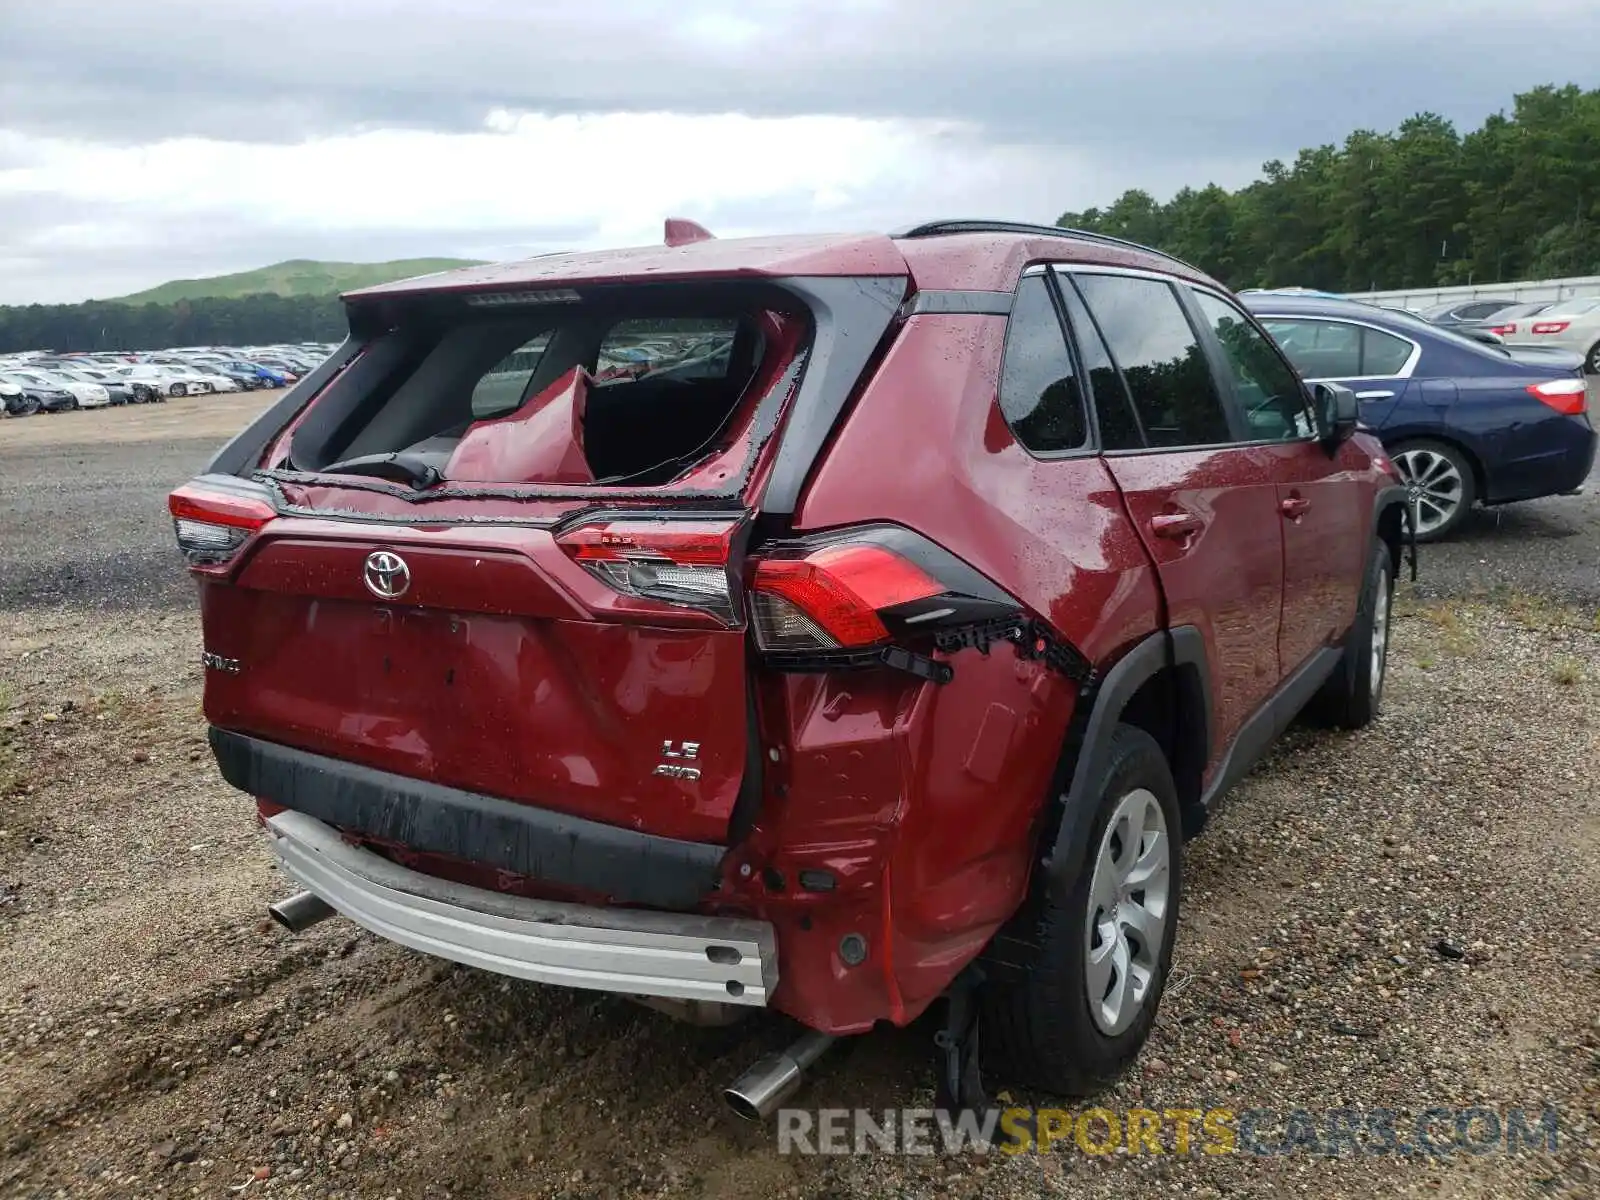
x: 1528, y: 292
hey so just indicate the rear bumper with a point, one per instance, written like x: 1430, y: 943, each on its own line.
x: 679, y: 956
x: 623, y: 865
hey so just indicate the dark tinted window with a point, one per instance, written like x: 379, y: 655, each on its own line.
x: 1167, y: 373
x: 1479, y: 309
x: 1272, y: 400
x: 1383, y: 353
x: 1119, y: 428
x: 1038, y: 391
x: 1318, y: 349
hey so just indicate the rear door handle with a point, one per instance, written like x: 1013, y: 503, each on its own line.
x: 1294, y: 507
x: 1176, y: 526
x: 1374, y: 395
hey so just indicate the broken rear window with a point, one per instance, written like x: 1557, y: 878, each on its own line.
x: 629, y: 392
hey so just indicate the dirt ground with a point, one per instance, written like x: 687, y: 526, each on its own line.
x: 1406, y: 917
x: 215, y: 417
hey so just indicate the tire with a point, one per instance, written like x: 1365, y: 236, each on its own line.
x: 1353, y: 695
x: 177, y: 389
x: 1039, y: 1027
x: 1591, y: 360
x: 1442, y: 485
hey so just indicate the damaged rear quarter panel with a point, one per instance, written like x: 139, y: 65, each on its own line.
x: 971, y: 763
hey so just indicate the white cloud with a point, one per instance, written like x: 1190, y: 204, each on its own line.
x: 602, y: 179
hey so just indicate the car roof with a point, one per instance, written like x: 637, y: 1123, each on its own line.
x: 954, y: 255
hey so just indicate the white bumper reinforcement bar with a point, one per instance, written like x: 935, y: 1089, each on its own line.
x: 677, y: 955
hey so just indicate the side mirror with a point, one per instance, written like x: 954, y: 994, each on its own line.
x: 1338, y: 413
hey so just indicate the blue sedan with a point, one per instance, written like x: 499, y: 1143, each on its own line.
x: 1464, y: 422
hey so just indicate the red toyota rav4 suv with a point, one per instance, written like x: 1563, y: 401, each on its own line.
x: 830, y: 624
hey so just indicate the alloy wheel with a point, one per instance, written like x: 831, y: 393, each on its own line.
x: 1128, y: 910
x: 1434, y: 487
x: 1380, y: 632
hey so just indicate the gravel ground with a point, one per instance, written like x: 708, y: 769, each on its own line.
x: 1404, y: 917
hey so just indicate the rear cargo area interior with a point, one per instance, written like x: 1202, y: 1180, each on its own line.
x: 638, y: 399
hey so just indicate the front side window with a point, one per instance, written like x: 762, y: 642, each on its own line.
x: 1166, y: 371
x: 1272, y: 400
x: 1039, y: 393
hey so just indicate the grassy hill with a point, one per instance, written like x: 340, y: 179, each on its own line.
x: 297, y: 277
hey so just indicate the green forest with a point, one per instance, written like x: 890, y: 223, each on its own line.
x: 215, y: 321
x: 1516, y: 198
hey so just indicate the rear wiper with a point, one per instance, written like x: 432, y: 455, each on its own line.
x: 411, y: 468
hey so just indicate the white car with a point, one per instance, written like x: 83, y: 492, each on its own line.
x: 157, y: 382
x: 88, y: 395
x: 201, y: 379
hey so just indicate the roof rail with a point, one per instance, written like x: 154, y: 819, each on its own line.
x: 940, y: 228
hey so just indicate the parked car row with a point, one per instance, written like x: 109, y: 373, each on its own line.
x: 42, y: 381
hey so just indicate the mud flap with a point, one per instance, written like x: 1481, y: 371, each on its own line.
x: 959, y: 1085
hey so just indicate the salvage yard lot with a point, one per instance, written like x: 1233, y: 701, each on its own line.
x: 1407, y: 917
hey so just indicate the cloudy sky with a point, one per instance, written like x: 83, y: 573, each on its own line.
x: 149, y: 140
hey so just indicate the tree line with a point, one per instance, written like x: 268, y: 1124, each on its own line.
x: 1516, y: 198
x: 214, y: 321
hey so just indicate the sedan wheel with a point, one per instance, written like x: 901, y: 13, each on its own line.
x: 1591, y: 363
x: 177, y: 389
x: 1439, y: 487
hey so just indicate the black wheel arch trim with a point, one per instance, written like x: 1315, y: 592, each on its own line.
x: 1387, y: 500
x: 1101, y: 704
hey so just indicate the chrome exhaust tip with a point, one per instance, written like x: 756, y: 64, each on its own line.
x: 300, y: 911
x: 762, y: 1090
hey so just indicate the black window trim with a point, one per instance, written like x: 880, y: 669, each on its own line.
x: 1091, y: 445
x: 1238, y: 415
x: 1064, y: 279
x: 1072, y: 270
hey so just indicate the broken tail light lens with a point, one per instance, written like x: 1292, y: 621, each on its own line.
x: 212, y: 523
x: 831, y: 598
x: 864, y: 597
x: 679, y: 562
x: 1566, y: 396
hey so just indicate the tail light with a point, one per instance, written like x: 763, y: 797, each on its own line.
x: 214, y: 518
x: 1503, y: 330
x: 1566, y: 396
x: 865, y: 597
x: 1551, y: 326
x: 679, y: 562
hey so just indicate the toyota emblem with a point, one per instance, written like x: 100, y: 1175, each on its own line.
x: 386, y: 574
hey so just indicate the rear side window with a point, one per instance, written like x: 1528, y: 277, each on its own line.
x: 1119, y: 428
x: 1383, y: 353
x: 1167, y: 373
x: 1336, y: 350
x: 1038, y: 390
